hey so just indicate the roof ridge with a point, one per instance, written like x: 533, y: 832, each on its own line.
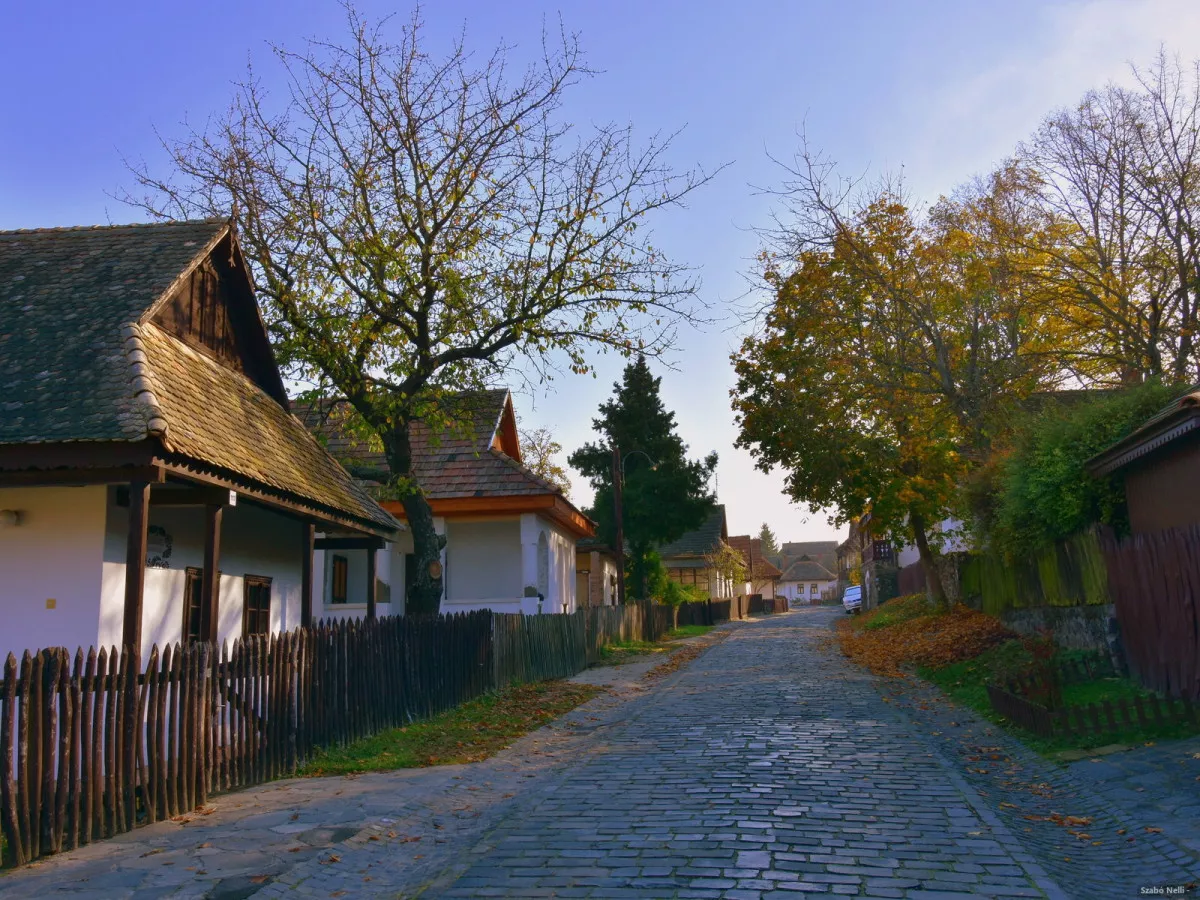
x: 141, y: 379
x: 67, y: 229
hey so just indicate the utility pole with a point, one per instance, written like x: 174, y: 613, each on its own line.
x: 620, y: 548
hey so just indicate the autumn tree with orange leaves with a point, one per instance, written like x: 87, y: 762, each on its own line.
x: 893, y: 345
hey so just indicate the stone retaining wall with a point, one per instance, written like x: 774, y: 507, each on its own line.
x: 1074, y: 627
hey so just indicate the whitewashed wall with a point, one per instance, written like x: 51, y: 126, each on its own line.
x: 54, y: 554
x: 802, y: 590
x: 562, y: 566
x: 254, y: 541
x: 483, y: 565
x: 551, y: 570
x: 487, y: 564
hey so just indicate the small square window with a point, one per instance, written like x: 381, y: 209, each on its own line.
x: 256, y: 605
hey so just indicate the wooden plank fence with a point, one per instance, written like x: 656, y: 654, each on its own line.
x: 93, y: 746
x: 1154, y: 581
x: 534, y: 648
x: 1033, y: 701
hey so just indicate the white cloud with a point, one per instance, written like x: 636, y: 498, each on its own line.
x: 972, y: 120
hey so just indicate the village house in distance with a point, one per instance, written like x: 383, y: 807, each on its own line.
x: 510, y: 535
x: 154, y: 486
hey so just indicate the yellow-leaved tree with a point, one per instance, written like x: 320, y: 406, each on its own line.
x: 882, y: 369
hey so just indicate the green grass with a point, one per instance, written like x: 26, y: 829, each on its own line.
x: 688, y: 631
x: 894, y: 611
x: 625, y: 651
x: 965, y: 682
x: 468, y: 733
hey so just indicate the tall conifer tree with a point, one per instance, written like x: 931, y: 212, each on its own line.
x: 770, y: 546
x: 666, y: 495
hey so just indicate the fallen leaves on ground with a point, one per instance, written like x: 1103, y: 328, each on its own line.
x: 683, y: 655
x: 471, y: 732
x: 917, y: 635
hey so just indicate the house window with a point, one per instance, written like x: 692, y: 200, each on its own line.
x: 812, y: 589
x: 192, y: 607
x: 339, y: 577
x: 256, y: 605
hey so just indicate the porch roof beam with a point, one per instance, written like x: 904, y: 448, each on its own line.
x: 349, y: 543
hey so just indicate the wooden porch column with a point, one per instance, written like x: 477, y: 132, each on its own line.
x: 135, y: 565
x: 210, y: 582
x: 308, y: 539
x: 371, y: 584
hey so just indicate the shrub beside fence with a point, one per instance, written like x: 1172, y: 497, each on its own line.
x: 91, y: 747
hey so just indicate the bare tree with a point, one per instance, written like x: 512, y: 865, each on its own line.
x: 421, y: 225
x: 540, y: 452
x: 1118, y: 182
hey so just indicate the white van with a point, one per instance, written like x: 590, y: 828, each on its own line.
x: 852, y: 599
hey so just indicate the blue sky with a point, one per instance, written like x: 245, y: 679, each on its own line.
x: 942, y: 89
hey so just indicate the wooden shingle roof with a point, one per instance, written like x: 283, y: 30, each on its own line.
x: 701, y: 541
x: 463, y: 461
x: 807, y: 570
x: 84, y: 363
x: 65, y: 294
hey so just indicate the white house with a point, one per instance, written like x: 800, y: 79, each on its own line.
x: 510, y: 535
x: 688, y: 559
x: 803, y: 581
x: 154, y: 486
x: 595, y: 573
x: 948, y: 535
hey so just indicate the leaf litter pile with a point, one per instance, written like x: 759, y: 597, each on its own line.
x: 909, y: 632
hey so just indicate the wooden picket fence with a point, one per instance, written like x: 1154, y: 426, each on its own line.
x: 95, y: 748
x: 1071, y: 572
x: 97, y: 745
x: 1095, y: 720
x: 534, y: 648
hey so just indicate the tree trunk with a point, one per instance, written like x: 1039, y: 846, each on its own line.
x: 424, y: 582
x: 933, y: 577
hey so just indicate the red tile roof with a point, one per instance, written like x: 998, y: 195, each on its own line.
x: 465, y: 461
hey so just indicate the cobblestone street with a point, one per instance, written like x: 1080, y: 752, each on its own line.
x: 769, y: 767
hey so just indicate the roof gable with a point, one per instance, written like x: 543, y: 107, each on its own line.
x: 807, y: 570
x: 751, y: 550
x: 505, y: 438
x: 96, y: 346
x: 211, y: 308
